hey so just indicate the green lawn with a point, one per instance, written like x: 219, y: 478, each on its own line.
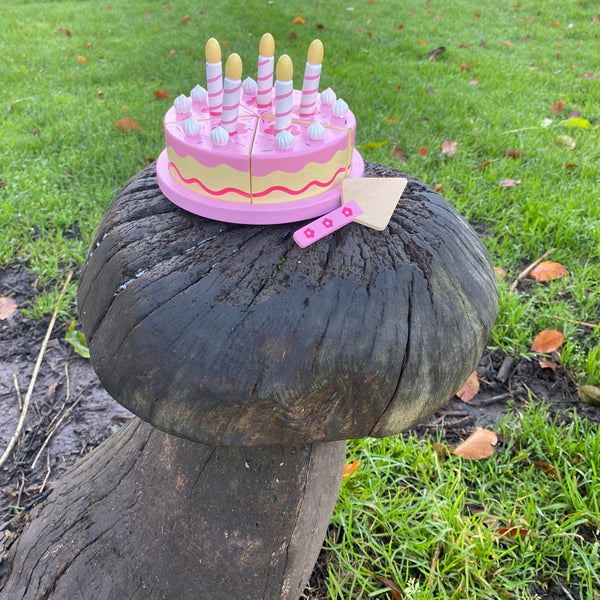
x: 511, y: 74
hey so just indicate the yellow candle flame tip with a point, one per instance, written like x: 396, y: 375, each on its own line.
x: 315, y: 52
x: 212, y: 51
x: 285, y: 68
x: 266, y: 47
x: 233, y: 67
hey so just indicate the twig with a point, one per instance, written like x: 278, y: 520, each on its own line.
x: 18, y: 390
x: 36, y: 369
x: 577, y: 322
x: 54, y: 429
x: 528, y: 270
x: 434, y: 562
x: 47, y: 473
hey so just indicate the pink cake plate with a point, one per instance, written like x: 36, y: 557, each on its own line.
x: 251, y: 214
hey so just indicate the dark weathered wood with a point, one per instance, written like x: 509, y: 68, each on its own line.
x: 230, y: 334
x: 148, y: 516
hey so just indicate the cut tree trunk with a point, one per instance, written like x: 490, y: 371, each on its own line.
x: 149, y: 516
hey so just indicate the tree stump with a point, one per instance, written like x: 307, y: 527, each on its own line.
x: 253, y: 360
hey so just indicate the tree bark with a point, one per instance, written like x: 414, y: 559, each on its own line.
x: 149, y: 516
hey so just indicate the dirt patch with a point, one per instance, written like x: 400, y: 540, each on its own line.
x: 70, y: 413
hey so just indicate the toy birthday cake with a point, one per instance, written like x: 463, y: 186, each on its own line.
x: 250, y: 152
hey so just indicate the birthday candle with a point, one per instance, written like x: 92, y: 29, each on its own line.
x: 266, y: 49
x: 284, y: 88
x: 231, y: 93
x: 214, y: 77
x: 312, y: 74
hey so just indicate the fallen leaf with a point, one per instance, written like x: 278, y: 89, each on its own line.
x: 391, y: 120
x: 423, y: 42
x: 350, y: 469
x: 168, y: 6
x: 576, y: 122
x: 62, y: 30
x: 555, y: 23
x: 319, y: 26
x: 511, y: 531
x: 371, y: 145
x: 87, y: 46
x: 507, y: 43
x: 571, y: 166
x: 509, y: 182
x: 547, y: 341
x: 514, y: 153
x: 299, y: 21
x: 394, y: 588
x: 171, y: 53
x: 567, y: 141
x: 161, y: 94
x: 547, y: 468
x: 8, y: 306
x: 499, y: 272
x: 82, y: 60
x: 126, y: 124
x: 441, y: 450
x: 464, y: 67
x: 185, y: 20
x: 398, y: 152
x: 449, y: 148
x: 422, y: 151
x: 473, y: 82
x: 547, y: 271
x: 589, y: 394
x: 589, y: 75
x: 471, y: 388
x: 546, y: 363
x: 483, y: 165
x: 558, y: 107
x: 480, y: 444
x: 293, y: 36
x: 436, y: 51
x: 439, y: 188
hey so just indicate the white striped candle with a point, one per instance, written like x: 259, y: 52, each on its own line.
x: 284, y: 89
x: 214, y: 77
x: 231, y: 93
x: 266, y: 50
x: 312, y: 74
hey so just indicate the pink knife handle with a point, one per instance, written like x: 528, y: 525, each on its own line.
x: 326, y: 224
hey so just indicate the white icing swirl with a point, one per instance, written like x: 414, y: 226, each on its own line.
x: 249, y: 87
x: 284, y: 140
x: 316, y: 131
x: 191, y: 127
x: 219, y: 136
x: 328, y: 96
x: 198, y: 94
x: 182, y: 104
x: 339, y: 109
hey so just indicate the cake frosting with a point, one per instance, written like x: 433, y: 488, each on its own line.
x: 289, y: 152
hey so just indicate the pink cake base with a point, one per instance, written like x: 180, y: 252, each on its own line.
x: 251, y: 214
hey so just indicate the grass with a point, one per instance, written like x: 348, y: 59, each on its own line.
x: 505, y: 65
x: 407, y: 499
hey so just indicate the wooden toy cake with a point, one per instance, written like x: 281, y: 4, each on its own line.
x: 250, y: 152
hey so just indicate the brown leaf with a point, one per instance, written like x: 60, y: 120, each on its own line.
x: 464, y: 67
x: 171, y: 53
x: 507, y: 43
x: 398, y: 152
x: 547, y: 341
x: 449, y: 148
x: 422, y: 151
x: 8, y: 306
x: 558, y: 107
x: 436, y: 51
x: 299, y: 21
x: 484, y: 164
x: 394, y: 588
x: 161, y: 94
x: 293, y: 36
x: 547, y: 468
x: 126, y: 124
x: 548, y: 270
x: 511, y: 531
x: 500, y: 272
x: 555, y: 23
x: 514, y: 153
x: 185, y: 20
x: 350, y: 469
x: 439, y: 188
x: 546, y: 363
x: 82, y: 60
x: 480, y: 444
x: 471, y: 388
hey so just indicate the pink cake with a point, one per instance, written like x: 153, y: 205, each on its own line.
x: 236, y: 161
